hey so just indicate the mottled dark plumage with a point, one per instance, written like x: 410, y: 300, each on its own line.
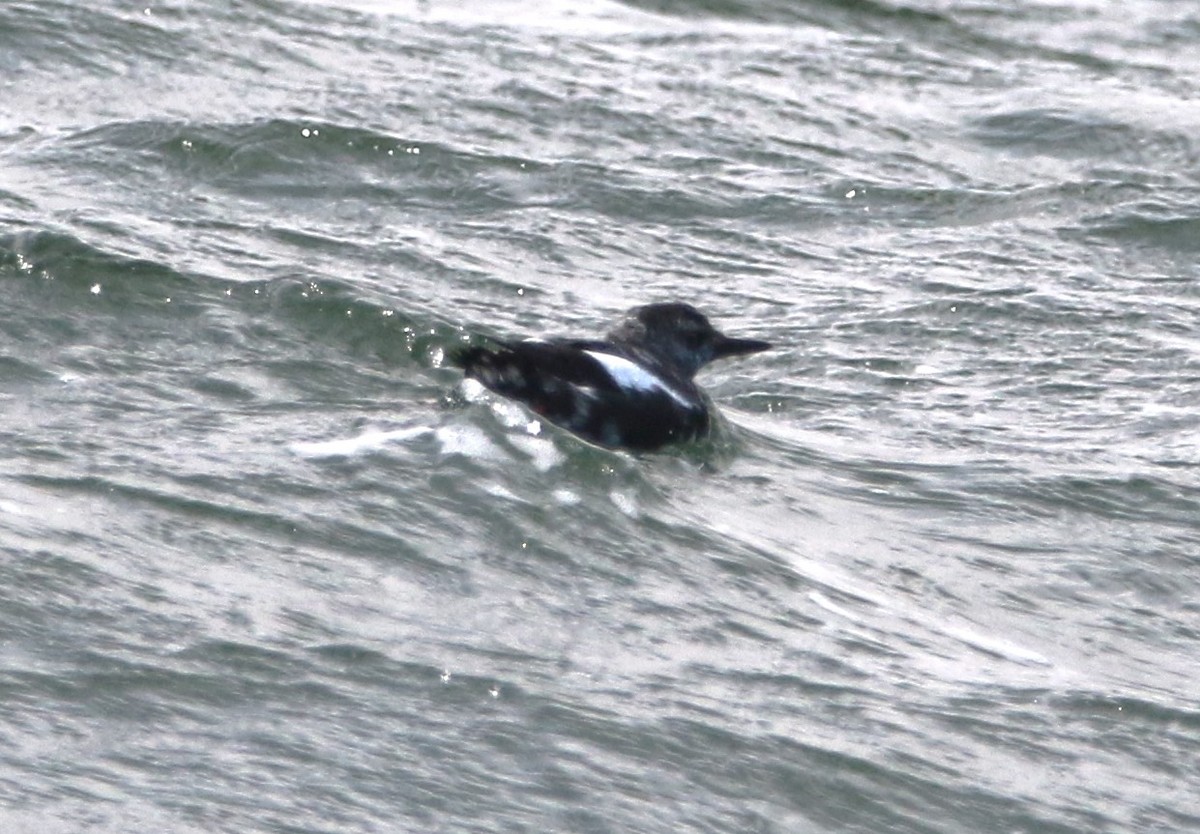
x: 633, y: 390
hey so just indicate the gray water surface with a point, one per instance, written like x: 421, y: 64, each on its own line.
x: 267, y: 565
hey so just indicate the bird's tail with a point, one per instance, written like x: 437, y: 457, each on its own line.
x: 467, y: 357
x: 499, y: 368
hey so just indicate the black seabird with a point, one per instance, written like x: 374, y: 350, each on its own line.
x: 632, y: 390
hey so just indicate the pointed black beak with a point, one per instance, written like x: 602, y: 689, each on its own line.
x: 727, y: 346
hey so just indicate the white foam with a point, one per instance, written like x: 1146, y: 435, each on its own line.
x: 625, y: 502
x: 832, y: 607
x: 368, y: 441
x: 567, y: 16
x: 995, y: 645
x: 511, y: 415
x: 566, y: 497
x: 500, y: 491
x: 468, y: 441
x: 472, y: 389
x: 543, y: 454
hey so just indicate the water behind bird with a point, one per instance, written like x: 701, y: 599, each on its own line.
x: 267, y: 565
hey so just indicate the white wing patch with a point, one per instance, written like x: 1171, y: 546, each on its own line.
x: 631, y: 375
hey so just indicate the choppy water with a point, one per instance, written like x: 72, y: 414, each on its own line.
x: 265, y: 565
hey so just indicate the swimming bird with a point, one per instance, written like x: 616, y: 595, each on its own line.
x: 634, y: 389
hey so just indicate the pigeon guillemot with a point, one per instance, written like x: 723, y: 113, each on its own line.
x: 633, y: 390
